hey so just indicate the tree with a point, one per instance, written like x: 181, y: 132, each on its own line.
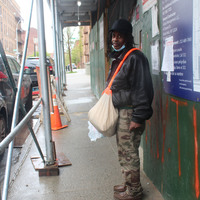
x: 73, y: 45
x: 37, y: 54
x: 75, y: 53
x: 69, y: 43
x: 77, y: 50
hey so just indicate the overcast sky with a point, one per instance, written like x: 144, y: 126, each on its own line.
x: 25, y: 6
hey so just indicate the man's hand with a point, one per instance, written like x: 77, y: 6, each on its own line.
x: 134, y: 125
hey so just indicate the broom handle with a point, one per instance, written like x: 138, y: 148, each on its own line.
x: 119, y: 66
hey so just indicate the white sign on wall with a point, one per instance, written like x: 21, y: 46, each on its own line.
x: 101, y: 35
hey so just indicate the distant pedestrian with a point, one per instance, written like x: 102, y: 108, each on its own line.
x: 132, y: 94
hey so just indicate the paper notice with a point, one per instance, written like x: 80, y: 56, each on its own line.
x: 155, y: 59
x: 101, y: 36
x: 168, y: 76
x: 168, y: 57
x: 154, y: 14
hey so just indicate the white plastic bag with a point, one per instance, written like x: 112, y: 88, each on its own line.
x: 93, y: 133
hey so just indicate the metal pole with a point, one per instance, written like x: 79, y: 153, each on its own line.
x: 57, y: 45
x: 63, y: 61
x: 60, y: 53
x: 13, y: 85
x: 21, y: 77
x: 14, y: 122
x: 53, y: 7
x: 60, y: 59
x: 44, y: 84
x: 18, y: 128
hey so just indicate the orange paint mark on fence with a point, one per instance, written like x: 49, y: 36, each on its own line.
x: 196, y: 162
x: 181, y: 103
x: 178, y: 102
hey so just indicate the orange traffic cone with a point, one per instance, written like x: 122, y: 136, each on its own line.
x: 55, y: 117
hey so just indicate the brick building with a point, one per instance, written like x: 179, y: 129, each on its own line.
x: 32, y: 42
x: 10, y: 28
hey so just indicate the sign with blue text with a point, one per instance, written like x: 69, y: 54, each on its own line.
x: 181, y: 49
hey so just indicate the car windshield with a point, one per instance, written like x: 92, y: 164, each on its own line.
x: 32, y: 62
x: 14, y: 66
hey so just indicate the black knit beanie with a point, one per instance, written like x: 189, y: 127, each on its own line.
x: 122, y: 26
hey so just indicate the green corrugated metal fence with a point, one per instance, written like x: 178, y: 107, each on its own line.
x: 97, y: 59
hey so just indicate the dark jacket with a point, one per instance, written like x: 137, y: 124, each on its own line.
x: 132, y: 87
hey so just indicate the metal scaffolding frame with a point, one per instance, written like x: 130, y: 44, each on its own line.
x: 60, y: 81
x: 44, y: 84
x: 59, y: 59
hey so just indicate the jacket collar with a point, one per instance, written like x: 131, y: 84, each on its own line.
x: 119, y: 55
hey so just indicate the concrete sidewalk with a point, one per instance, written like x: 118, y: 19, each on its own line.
x: 95, y: 168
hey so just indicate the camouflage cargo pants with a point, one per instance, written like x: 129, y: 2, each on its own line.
x: 128, y: 151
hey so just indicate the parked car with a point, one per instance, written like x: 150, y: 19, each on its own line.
x: 7, y: 95
x: 33, y: 62
x: 3, y: 120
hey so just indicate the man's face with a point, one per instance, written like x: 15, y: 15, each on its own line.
x: 117, y: 40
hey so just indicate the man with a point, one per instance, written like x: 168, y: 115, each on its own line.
x: 132, y: 94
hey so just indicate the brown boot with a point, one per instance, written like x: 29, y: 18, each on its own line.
x: 119, y: 188
x: 125, y: 196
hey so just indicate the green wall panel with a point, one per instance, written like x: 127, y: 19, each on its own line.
x: 169, y: 150
x: 97, y: 61
x: 171, y: 140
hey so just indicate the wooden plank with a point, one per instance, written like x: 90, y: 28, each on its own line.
x: 62, y: 160
x: 44, y: 170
